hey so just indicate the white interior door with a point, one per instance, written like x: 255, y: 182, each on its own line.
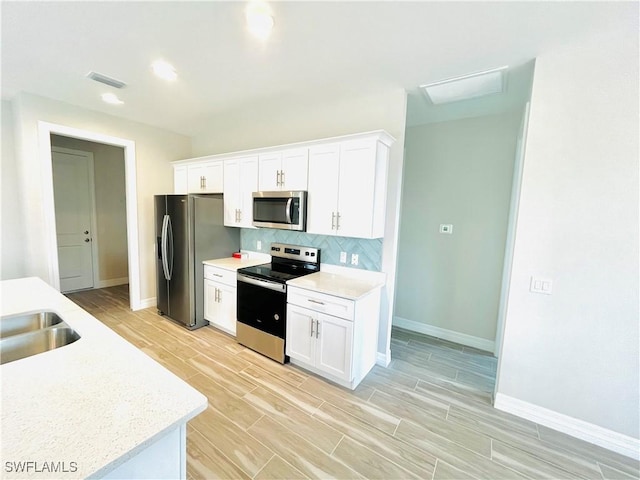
x: 73, y: 196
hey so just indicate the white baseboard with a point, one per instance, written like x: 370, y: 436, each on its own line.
x: 586, y: 431
x: 112, y: 282
x: 383, y: 359
x: 145, y: 303
x: 457, y: 337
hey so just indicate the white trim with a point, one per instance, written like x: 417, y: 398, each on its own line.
x: 452, y: 336
x: 45, y: 130
x: 146, y: 303
x: 586, y: 431
x: 95, y: 251
x: 112, y: 282
x: 383, y: 359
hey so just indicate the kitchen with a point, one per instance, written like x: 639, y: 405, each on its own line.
x: 336, y: 114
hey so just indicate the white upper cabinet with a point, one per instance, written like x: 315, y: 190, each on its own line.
x: 347, y: 188
x: 205, y: 177
x: 284, y: 170
x: 180, y: 179
x: 240, y: 181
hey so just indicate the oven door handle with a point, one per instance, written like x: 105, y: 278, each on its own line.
x: 278, y: 287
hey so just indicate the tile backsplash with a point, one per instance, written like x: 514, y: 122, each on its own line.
x: 369, y: 251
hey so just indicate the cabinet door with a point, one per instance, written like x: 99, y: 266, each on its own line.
x: 231, y: 192
x: 248, y: 184
x: 295, y: 169
x: 227, y: 310
x: 300, y: 343
x: 334, y: 346
x: 210, y: 298
x: 180, y: 179
x: 356, y: 189
x: 195, y: 178
x: 213, y: 177
x: 324, y: 164
x: 270, y: 165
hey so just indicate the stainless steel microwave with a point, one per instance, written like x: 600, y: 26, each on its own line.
x: 285, y: 210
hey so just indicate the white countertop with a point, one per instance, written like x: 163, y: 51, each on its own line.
x: 233, y: 264
x: 97, y: 402
x: 338, y: 285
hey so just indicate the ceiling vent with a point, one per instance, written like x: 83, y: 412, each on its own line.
x: 466, y: 87
x: 112, y: 82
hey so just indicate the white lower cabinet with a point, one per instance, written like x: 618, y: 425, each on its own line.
x: 321, y: 341
x: 332, y: 336
x: 220, y: 298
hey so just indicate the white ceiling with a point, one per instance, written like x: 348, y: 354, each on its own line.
x: 318, y: 49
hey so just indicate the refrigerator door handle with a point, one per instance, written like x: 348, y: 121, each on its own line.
x: 164, y: 247
x: 170, y: 242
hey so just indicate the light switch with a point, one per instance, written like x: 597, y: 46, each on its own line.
x: 446, y: 228
x: 541, y: 285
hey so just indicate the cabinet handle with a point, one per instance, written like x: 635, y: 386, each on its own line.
x: 278, y: 178
x: 315, y: 301
x: 311, y: 325
x: 333, y: 220
x: 217, y: 275
x: 239, y: 215
x: 204, y: 182
x: 282, y: 178
x: 317, y: 328
x: 219, y: 296
x: 337, y: 220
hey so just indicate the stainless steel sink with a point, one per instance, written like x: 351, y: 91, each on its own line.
x: 39, y: 341
x: 16, y: 324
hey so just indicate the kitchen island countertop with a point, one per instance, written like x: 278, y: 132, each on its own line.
x: 97, y: 402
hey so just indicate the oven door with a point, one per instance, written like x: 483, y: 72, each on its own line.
x: 262, y: 305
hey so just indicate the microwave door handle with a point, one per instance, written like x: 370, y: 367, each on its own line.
x: 289, y: 205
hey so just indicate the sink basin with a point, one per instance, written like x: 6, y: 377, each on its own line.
x: 16, y: 324
x: 35, y: 342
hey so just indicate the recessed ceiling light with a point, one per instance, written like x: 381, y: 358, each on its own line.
x: 111, y: 98
x: 467, y: 86
x: 259, y: 19
x: 164, y: 70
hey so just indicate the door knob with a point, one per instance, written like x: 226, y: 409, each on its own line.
x: 87, y: 240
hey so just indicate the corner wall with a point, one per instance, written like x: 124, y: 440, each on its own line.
x: 571, y: 360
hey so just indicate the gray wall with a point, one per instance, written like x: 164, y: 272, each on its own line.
x: 12, y: 260
x: 460, y: 173
x: 111, y: 213
x: 576, y: 352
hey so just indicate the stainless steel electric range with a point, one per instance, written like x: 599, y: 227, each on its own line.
x: 262, y: 298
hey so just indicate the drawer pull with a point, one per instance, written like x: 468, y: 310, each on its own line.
x: 217, y: 275
x: 315, y: 301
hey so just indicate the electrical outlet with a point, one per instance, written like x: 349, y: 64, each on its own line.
x: 354, y: 259
x: 446, y: 228
x: 343, y: 257
x: 259, y: 245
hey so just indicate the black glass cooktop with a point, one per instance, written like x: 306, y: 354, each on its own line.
x: 278, y: 272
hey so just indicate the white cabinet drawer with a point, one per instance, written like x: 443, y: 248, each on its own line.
x: 228, y: 277
x: 320, y: 302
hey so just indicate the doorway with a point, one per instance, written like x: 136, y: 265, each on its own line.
x: 97, y: 225
x: 45, y: 130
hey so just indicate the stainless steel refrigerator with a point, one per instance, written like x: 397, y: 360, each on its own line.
x: 189, y: 229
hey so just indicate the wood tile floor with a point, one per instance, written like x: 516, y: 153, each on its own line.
x: 427, y: 416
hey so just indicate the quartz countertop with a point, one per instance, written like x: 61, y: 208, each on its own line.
x: 96, y: 402
x: 233, y: 264
x: 339, y: 285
